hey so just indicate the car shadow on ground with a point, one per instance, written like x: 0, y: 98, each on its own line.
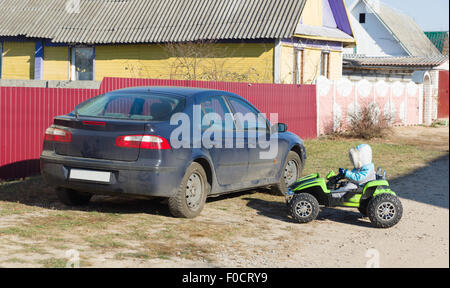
x: 34, y: 192
x: 428, y: 185
x: 279, y: 211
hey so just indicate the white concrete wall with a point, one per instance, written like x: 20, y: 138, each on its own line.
x: 400, y: 101
x: 430, y: 96
x: 435, y: 94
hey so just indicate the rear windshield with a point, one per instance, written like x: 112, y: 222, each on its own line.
x: 151, y: 107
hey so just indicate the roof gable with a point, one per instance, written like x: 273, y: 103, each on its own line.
x: 340, y: 15
x: 332, y: 22
x: 403, y: 28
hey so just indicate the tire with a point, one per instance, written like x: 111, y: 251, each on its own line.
x: 282, y: 186
x: 363, y: 208
x: 304, y: 203
x: 71, y: 197
x: 385, y: 210
x: 187, y: 205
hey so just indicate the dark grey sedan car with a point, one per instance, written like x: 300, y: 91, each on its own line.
x: 163, y: 142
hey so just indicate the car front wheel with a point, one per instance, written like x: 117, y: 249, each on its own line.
x: 292, y: 171
x: 191, y: 195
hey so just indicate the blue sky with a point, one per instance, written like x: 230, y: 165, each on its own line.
x: 430, y: 15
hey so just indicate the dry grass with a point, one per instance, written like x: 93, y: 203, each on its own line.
x: 36, y: 230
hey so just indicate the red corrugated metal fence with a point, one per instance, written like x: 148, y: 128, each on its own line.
x: 25, y: 113
x: 443, y: 101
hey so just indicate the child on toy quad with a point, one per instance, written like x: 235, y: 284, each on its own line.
x: 364, y: 169
x: 360, y: 188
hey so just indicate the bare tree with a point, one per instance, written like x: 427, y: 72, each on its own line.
x: 209, y: 61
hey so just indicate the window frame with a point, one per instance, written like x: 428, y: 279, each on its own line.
x: 325, y: 67
x: 362, y: 18
x: 72, y: 63
x: 299, y: 59
x: 1, y: 58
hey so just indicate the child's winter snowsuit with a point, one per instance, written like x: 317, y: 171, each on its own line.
x: 364, y: 169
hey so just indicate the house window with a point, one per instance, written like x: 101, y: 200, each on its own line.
x: 82, y: 64
x: 325, y: 64
x: 298, y: 66
x: 1, y: 59
x: 362, y: 18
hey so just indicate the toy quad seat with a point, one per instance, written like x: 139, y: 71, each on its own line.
x: 336, y: 193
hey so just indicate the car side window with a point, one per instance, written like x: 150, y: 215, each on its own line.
x: 247, y: 118
x: 214, y: 106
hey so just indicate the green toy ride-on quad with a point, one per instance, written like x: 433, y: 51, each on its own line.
x: 375, y: 200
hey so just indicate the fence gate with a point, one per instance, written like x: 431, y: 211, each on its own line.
x: 443, y: 95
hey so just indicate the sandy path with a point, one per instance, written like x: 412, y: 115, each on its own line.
x: 420, y: 240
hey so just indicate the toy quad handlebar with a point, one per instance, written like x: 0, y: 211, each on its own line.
x: 333, y: 180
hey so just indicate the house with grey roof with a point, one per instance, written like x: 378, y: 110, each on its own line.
x: 385, y: 31
x: 392, y: 47
x: 268, y: 41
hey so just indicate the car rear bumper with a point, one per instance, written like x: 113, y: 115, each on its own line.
x: 128, y: 178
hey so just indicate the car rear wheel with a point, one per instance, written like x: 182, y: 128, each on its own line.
x: 73, y: 198
x: 191, y: 195
x: 292, y: 170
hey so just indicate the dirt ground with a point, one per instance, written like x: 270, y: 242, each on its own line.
x: 249, y: 229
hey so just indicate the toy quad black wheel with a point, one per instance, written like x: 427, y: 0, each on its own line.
x: 304, y: 207
x: 363, y: 208
x: 385, y: 210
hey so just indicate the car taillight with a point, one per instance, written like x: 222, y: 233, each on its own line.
x: 143, y: 141
x: 57, y: 135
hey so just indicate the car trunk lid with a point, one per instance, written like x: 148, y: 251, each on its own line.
x: 96, y: 138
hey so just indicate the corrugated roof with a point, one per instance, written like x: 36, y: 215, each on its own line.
x: 406, y: 30
x: 355, y: 60
x: 438, y: 38
x: 149, y: 21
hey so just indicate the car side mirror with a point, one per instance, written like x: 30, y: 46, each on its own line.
x: 282, y: 127
x: 279, y: 128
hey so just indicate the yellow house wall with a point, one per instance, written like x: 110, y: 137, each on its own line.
x: 251, y: 62
x: 335, y: 72
x: 312, y: 13
x: 287, y: 64
x: 56, y: 63
x: 311, y: 65
x: 311, y: 68
x: 18, y: 60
